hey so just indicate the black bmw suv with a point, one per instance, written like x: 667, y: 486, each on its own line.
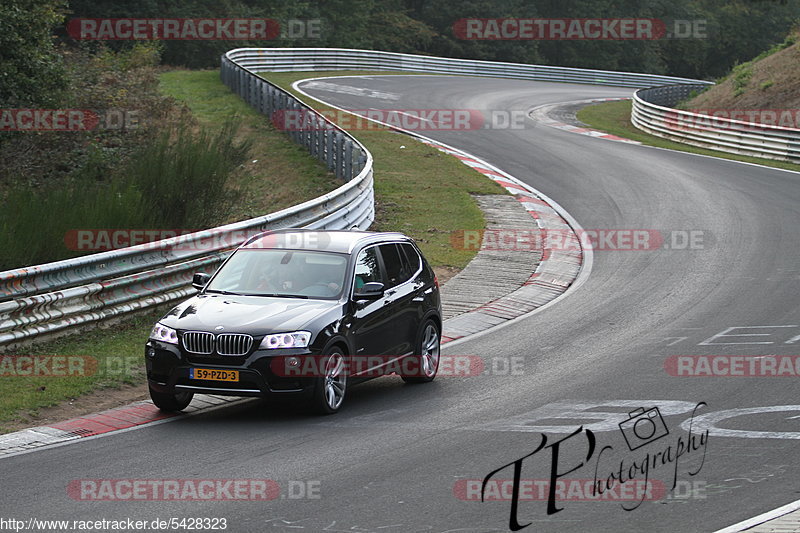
x: 300, y: 312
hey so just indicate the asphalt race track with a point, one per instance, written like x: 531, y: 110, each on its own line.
x: 405, y: 458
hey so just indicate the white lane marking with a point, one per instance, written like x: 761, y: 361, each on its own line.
x: 355, y: 91
x: 606, y: 415
x: 725, y: 333
x: 708, y: 421
x: 760, y: 519
x: 585, y: 413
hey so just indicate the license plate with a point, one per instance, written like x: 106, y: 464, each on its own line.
x: 213, y: 375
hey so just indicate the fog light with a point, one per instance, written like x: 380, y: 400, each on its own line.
x: 292, y: 361
x: 151, y: 352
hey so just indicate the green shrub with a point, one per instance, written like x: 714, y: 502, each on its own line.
x: 176, y: 181
x: 741, y: 77
x: 184, y: 175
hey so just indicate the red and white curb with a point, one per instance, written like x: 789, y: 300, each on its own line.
x: 112, y: 420
x: 555, y: 273
x: 541, y: 114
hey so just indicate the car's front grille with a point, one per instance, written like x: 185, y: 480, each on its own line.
x: 203, y: 343
x: 198, y: 342
x: 233, y: 344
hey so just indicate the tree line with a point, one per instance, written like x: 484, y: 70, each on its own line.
x: 729, y: 32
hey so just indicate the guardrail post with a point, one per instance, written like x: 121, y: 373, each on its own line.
x: 337, y: 154
x: 348, y: 160
x: 297, y: 133
x: 308, y: 120
x: 270, y: 108
x: 329, y: 138
x: 362, y: 162
x: 316, y: 125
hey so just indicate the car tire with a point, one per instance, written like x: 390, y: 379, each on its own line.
x: 428, y: 349
x: 171, y: 403
x: 330, y: 389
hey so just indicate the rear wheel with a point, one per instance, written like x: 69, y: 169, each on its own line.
x: 428, y: 347
x: 178, y: 401
x: 331, y: 387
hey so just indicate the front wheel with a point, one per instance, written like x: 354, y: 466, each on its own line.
x: 428, y: 346
x: 331, y: 387
x: 178, y: 401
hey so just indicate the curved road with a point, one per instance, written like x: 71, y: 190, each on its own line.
x: 404, y: 458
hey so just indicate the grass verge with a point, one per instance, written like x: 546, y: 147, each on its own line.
x: 615, y: 118
x: 278, y: 173
x: 95, y: 360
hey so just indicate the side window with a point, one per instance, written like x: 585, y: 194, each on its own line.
x: 396, y: 264
x: 367, y: 268
x: 413, y: 257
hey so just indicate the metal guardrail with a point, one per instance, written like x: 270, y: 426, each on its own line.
x: 47, y: 299
x: 300, y: 59
x: 652, y: 112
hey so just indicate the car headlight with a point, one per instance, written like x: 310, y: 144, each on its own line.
x: 297, y: 339
x: 164, y: 334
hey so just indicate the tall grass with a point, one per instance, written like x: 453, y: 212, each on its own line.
x: 183, y: 176
x: 177, y: 180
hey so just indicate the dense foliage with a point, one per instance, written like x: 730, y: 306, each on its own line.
x: 736, y: 30
x: 31, y: 71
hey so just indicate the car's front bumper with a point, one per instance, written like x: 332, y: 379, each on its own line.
x: 168, y: 371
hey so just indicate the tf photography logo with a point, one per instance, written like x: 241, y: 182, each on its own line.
x: 650, y: 450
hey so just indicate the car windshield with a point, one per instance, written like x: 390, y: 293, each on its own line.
x: 282, y: 273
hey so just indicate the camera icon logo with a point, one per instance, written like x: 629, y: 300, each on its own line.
x: 643, y: 427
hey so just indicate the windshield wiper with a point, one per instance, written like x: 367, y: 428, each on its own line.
x: 270, y: 295
x: 226, y: 293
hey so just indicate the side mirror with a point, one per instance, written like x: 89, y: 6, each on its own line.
x: 199, y: 280
x: 370, y: 291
